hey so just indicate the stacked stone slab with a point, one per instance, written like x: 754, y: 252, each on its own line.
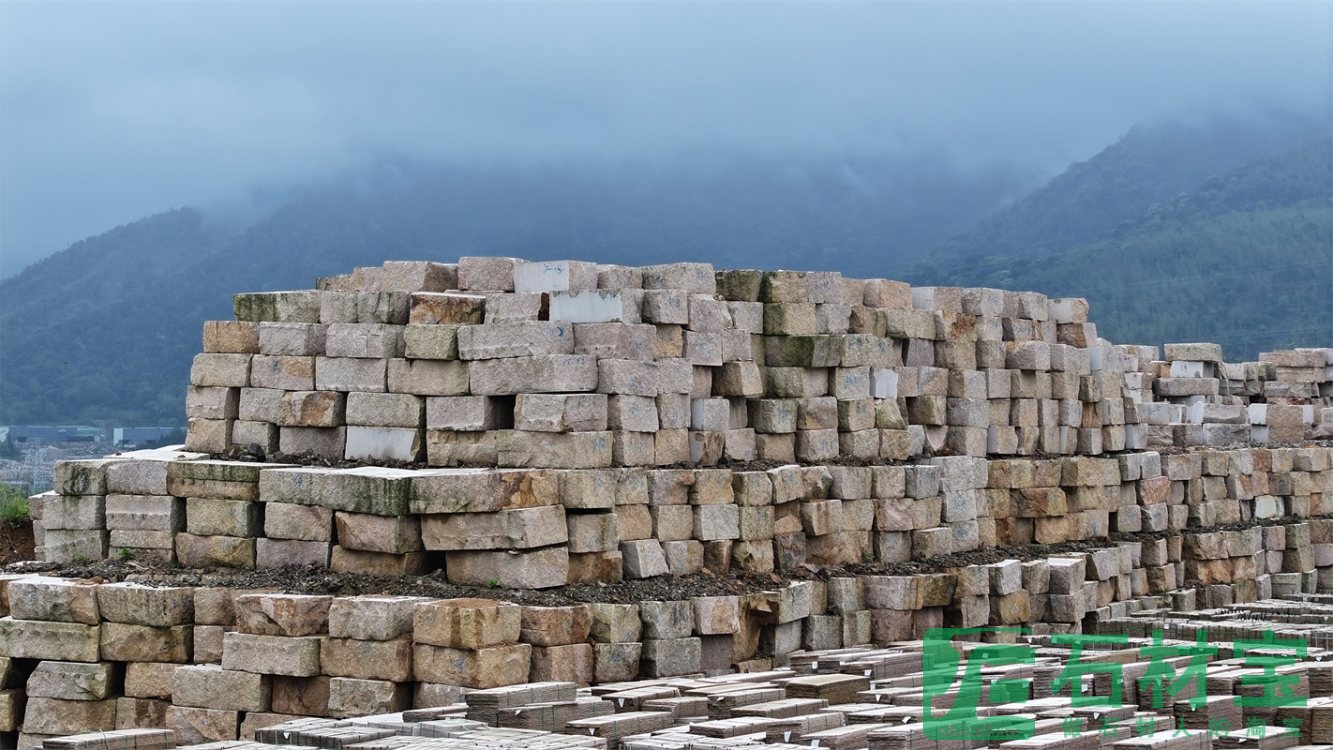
x: 542, y: 528
x: 1194, y: 398
x: 218, y: 664
x: 559, y: 423
x: 581, y: 392
x: 567, y: 364
x: 73, y: 515
x: 872, y: 698
x: 570, y: 364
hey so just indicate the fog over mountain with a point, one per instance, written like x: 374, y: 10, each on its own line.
x: 110, y: 112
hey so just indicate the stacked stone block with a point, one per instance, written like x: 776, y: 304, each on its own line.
x: 1195, y: 398
x: 599, y: 365
x: 542, y: 528
x: 217, y: 664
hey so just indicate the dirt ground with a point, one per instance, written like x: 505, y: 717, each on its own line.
x: 313, y: 580
x: 16, y: 543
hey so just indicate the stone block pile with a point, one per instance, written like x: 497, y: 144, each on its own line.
x: 1197, y: 399
x: 544, y: 528
x: 898, y: 459
x: 1154, y: 678
x: 566, y: 364
x: 216, y: 663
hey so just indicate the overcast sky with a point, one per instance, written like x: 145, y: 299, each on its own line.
x: 110, y: 111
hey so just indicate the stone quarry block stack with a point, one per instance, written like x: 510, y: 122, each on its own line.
x: 573, y: 365
x: 532, y: 425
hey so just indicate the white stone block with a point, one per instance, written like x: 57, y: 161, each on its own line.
x: 1068, y: 310
x: 554, y: 276
x: 383, y: 444
x: 1187, y: 369
x: 883, y: 382
x: 597, y: 306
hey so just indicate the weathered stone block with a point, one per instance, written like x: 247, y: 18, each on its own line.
x: 298, y: 339
x: 567, y: 450
x: 482, y: 490
x: 616, y: 662
x: 555, y: 626
x: 149, y: 679
x: 281, y: 372
x: 425, y: 376
x: 144, y: 513
x: 592, y: 532
x: 282, y: 614
x: 199, y: 725
x: 487, y: 274
x: 368, y: 489
x: 71, y: 681
x: 52, y: 716
x: 521, y: 528
x: 55, y: 641
x: 695, y: 278
x: 292, y: 521
x: 135, y: 713
x: 385, y: 410
x: 282, y: 553
x: 447, y: 308
x: 566, y: 663
x: 716, y: 615
x: 54, y: 600
x: 350, y: 697
x: 549, y: 373
x: 215, y: 551
x: 351, y: 373
x: 210, y: 686
x: 596, y: 567
x: 372, y: 618
x: 643, y: 558
x: 541, y: 568
x: 367, y: 660
x: 466, y: 623
x: 129, y: 643
x: 137, y: 604
x: 231, y: 336
x: 667, y: 658
x: 561, y: 412
x: 363, y: 341
x: 324, y: 442
x: 220, y: 370
x: 269, y: 654
x: 207, y: 516
x: 372, y: 533
x: 479, y: 669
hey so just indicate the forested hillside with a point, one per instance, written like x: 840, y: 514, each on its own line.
x: 1245, y: 260
x: 1148, y: 165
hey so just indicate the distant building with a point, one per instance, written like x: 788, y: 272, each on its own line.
x: 141, y: 437
x: 48, y: 434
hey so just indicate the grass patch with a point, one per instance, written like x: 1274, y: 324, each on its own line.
x: 14, y: 508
